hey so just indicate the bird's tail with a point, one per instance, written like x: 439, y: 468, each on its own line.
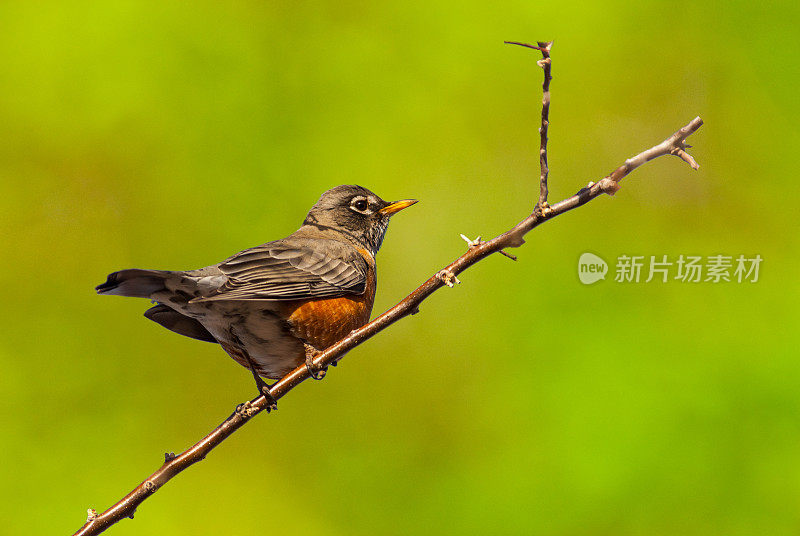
x: 135, y: 282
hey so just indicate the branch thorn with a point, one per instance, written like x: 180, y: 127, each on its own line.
x: 472, y: 243
x: 686, y: 157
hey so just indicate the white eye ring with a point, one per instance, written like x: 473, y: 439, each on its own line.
x: 360, y: 204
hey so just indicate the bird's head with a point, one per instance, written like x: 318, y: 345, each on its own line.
x: 355, y: 212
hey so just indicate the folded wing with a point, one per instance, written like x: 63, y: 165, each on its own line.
x: 277, y: 271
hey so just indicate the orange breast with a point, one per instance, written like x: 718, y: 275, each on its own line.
x: 323, y: 322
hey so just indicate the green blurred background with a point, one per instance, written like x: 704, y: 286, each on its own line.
x: 171, y: 135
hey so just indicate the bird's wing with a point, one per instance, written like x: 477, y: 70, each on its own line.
x: 279, y: 271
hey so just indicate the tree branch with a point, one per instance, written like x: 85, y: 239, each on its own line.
x: 544, y: 63
x: 476, y: 251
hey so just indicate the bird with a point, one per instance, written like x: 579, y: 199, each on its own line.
x: 275, y: 306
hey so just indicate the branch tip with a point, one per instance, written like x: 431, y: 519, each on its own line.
x: 686, y: 157
x: 526, y: 45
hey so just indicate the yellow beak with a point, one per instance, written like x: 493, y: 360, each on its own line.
x: 397, y: 206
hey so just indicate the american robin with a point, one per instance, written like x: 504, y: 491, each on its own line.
x: 276, y: 305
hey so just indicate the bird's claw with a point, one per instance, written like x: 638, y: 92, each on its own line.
x: 272, y: 403
x: 316, y: 372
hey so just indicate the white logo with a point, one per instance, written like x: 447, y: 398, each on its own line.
x: 591, y: 268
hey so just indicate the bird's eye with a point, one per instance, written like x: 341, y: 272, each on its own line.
x: 360, y: 205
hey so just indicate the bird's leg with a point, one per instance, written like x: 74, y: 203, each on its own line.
x: 261, y: 385
x: 236, y: 350
x: 316, y: 372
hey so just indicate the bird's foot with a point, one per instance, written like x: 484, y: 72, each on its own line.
x: 263, y: 388
x: 316, y: 372
x: 272, y: 404
x: 261, y: 385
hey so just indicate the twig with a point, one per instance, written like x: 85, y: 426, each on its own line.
x: 524, y: 44
x: 478, y: 250
x: 545, y: 64
x: 478, y: 242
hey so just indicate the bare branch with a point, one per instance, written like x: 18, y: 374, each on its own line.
x: 545, y: 64
x: 524, y: 44
x: 477, y: 250
x: 674, y: 145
